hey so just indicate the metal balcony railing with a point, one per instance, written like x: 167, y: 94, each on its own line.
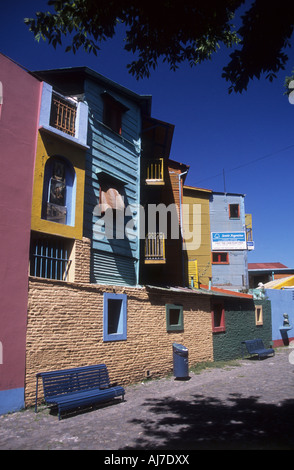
x: 155, y: 172
x: 155, y: 248
x: 63, y: 114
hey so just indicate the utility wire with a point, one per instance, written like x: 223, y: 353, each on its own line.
x: 249, y: 163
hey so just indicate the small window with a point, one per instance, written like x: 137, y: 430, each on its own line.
x: 59, y: 191
x: 50, y: 257
x: 114, y: 317
x: 174, y: 317
x: 218, y: 318
x: 219, y: 257
x: 112, y: 113
x: 258, y: 315
x: 110, y: 198
x: 234, y: 211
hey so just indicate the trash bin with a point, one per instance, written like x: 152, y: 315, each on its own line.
x: 180, y: 361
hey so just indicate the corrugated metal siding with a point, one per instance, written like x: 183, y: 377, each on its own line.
x: 113, y: 269
x: 234, y: 274
x: 219, y: 213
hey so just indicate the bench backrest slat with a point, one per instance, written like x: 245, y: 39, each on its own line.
x: 74, y: 380
x: 254, y: 344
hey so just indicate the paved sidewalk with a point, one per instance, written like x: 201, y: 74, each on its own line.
x: 249, y: 406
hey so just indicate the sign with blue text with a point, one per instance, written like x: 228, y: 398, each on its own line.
x: 228, y: 241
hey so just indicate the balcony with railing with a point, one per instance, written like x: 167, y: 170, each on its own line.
x: 63, y: 114
x: 155, y: 172
x: 65, y: 117
x: 155, y: 248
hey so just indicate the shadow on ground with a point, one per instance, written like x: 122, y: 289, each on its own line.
x: 208, y: 423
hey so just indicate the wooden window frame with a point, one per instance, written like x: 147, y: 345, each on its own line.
x: 219, y: 326
x: 112, y: 117
x: 112, y: 113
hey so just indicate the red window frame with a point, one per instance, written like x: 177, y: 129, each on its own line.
x: 219, y: 255
x: 218, y: 317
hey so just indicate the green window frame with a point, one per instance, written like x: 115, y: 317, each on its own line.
x: 174, y: 317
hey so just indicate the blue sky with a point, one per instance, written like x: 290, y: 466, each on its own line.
x: 249, y: 137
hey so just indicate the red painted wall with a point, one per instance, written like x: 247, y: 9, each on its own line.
x: 18, y: 136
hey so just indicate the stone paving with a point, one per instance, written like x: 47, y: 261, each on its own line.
x: 248, y: 405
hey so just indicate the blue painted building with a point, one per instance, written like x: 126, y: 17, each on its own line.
x: 282, y: 302
x: 228, y: 241
x: 112, y: 174
x: 280, y: 292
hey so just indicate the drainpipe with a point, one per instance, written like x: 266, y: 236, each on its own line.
x: 181, y: 225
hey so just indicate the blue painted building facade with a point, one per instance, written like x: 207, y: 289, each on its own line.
x: 228, y: 241
x: 282, y: 302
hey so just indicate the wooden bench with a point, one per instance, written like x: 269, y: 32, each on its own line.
x: 256, y: 347
x: 71, y: 388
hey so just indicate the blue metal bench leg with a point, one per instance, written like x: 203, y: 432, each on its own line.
x: 36, y: 401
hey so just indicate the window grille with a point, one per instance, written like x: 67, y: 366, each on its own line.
x: 49, y: 259
x: 63, y: 114
x: 155, y: 248
x: 155, y: 171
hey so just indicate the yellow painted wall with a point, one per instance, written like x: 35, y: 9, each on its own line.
x: 48, y: 146
x: 248, y: 225
x: 200, y: 250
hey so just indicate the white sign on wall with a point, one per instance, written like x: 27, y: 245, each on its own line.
x: 228, y: 241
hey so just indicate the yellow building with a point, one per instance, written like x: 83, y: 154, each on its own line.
x: 59, y: 185
x: 48, y: 217
x: 196, y: 232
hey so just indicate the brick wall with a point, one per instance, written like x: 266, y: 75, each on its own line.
x: 65, y: 329
x: 81, y: 258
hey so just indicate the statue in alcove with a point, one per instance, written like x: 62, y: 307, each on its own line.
x: 286, y: 319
